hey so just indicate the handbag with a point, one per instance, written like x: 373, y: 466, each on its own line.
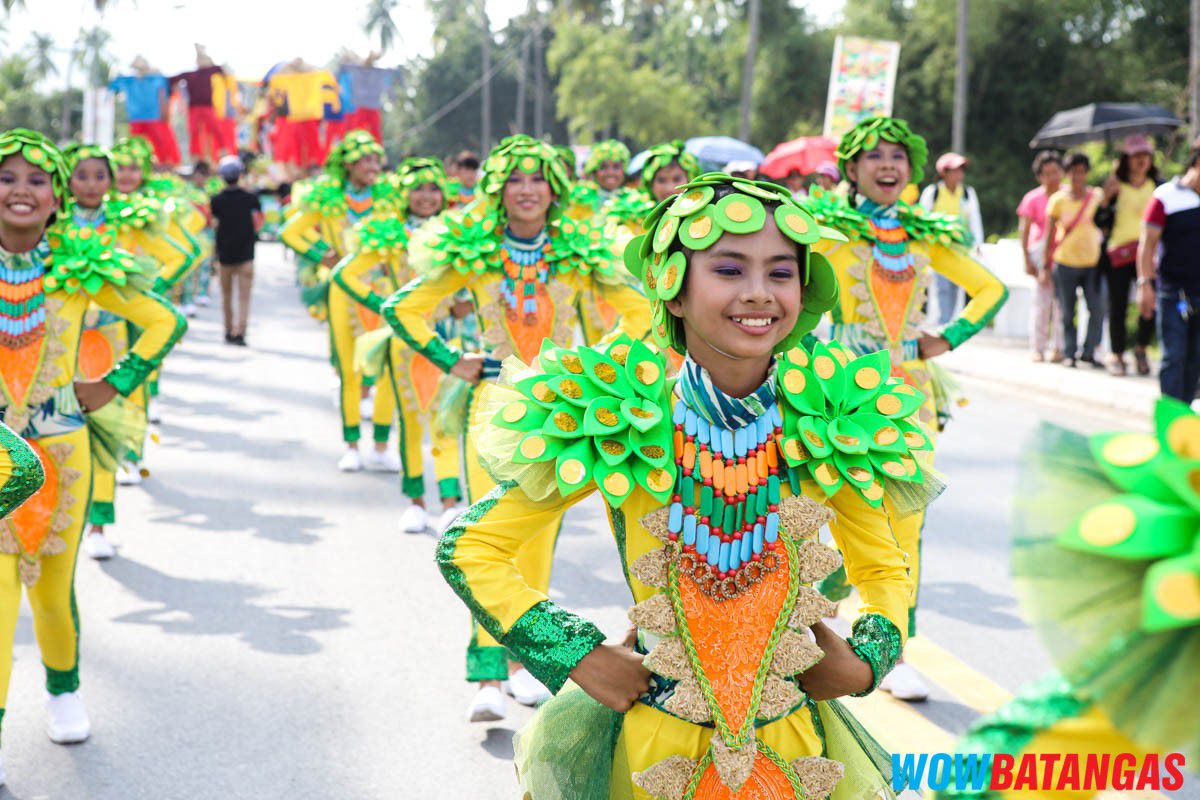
x: 1123, y: 255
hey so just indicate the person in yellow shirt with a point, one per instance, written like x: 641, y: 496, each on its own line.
x: 1073, y: 252
x: 715, y: 484
x: 54, y: 270
x: 885, y: 270
x: 527, y: 268
x: 1128, y: 191
x: 952, y: 197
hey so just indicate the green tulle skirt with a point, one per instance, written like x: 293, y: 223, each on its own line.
x: 569, y: 752
x: 1087, y: 609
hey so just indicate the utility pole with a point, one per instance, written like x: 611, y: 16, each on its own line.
x: 958, y: 131
x: 1194, y: 73
x: 485, y: 138
x: 539, y: 81
x: 748, y: 68
x: 522, y: 70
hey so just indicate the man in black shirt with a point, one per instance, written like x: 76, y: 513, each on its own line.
x: 239, y: 217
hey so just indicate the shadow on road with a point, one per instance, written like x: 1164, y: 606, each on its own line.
x: 230, y: 513
x: 499, y: 743
x: 221, y: 608
x: 970, y: 603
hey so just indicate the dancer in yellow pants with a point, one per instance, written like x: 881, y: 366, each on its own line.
x: 53, y: 274
x: 715, y: 485
x: 318, y: 232
x: 526, y: 269
x: 375, y: 270
x: 884, y: 271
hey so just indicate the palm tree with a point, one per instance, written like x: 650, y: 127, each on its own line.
x: 9, y: 5
x: 91, y: 49
x: 41, y: 56
x: 379, y: 22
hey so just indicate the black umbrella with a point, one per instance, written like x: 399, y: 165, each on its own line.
x: 1105, y: 121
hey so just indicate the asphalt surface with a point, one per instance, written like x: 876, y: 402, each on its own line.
x: 267, y: 632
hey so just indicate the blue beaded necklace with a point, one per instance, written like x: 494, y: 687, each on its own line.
x: 725, y: 504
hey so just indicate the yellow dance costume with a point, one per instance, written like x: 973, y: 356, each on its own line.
x: 714, y: 503
x: 524, y: 292
x: 320, y: 225
x: 375, y: 270
x: 54, y: 285
x: 884, y: 271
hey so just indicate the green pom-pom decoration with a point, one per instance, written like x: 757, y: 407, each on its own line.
x: 608, y: 150
x: 353, y: 146
x: 83, y: 260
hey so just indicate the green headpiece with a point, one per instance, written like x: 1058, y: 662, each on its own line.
x: 663, y: 154
x: 134, y: 150
x: 414, y: 172
x: 78, y: 153
x: 695, y: 218
x: 568, y: 159
x: 608, y: 150
x: 39, y: 151
x: 529, y: 155
x: 866, y: 135
x: 353, y: 146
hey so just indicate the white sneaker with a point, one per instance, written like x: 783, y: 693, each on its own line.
x: 447, y: 517
x: 489, y: 705
x: 905, y: 683
x: 98, y: 547
x: 189, y: 309
x: 351, y: 461
x: 128, y: 474
x: 68, y: 720
x: 387, y: 461
x: 414, y: 520
x: 526, y: 689
x: 152, y: 412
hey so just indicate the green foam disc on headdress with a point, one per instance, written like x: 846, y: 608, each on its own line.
x: 797, y: 225
x: 664, y: 234
x: 738, y: 213
x: 690, y: 201
x: 669, y: 280
x: 700, y: 230
x: 1171, y: 594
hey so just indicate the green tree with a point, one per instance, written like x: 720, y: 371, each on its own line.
x: 41, y: 55
x: 379, y: 23
x: 92, y: 54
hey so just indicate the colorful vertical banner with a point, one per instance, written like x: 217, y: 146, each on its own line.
x: 861, y: 83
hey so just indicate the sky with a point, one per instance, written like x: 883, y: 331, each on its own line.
x: 248, y: 35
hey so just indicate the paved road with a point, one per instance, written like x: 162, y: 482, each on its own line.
x: 267, y: 632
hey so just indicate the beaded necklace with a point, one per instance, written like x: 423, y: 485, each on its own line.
x: 525, y: 271
x: 726, y: 498
x: 22, y: 298
x: 89, y: 217
x: 359, y: 202
x: 889, y: 245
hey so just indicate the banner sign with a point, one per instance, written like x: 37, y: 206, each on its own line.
x: 861, y: 83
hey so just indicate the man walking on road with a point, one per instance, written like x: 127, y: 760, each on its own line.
x: 239, y: 217
x: 1169, y: 252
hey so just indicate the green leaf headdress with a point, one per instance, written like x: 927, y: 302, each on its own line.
x: 695, y: 218
x: 608, y: 150
x: 414, y: 172
x: 353, y: 146
x: 866, y: 135
x: 78, y: 153
x: 663, y: 154
x: 568, y: 159
x: 39, y: 151
x: 529, y: 155
x: 134, y: 150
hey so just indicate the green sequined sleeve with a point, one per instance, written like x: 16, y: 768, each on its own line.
x: 21, y: 472
x: 876, y: 640
x: 548, y: 640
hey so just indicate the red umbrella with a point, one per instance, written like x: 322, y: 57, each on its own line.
x: 804, y: 155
